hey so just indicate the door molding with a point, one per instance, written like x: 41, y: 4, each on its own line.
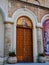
x: 26, y: 12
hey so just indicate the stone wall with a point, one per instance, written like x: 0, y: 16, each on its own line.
x: 38, y: 11
x: 44, y: 3
x: 8, y: 37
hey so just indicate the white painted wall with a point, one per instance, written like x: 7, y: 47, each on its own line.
x: 1, y: 36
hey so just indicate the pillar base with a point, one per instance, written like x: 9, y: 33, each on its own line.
x: 3, y: 60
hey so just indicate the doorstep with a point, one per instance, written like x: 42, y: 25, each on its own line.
x: 29, y: 64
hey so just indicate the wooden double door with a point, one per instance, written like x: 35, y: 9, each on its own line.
x: 24, y: 44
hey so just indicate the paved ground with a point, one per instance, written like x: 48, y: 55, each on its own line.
x: 29, y: 64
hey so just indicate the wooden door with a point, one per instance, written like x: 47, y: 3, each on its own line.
x: 24, y: 50
x: 28, y: 45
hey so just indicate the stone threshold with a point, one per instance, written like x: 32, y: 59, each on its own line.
x: 47, y: 63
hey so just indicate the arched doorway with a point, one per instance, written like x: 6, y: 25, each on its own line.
x: 24, y: 40
x: 46, y: 36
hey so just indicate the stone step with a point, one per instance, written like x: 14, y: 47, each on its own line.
x: 29, y: 64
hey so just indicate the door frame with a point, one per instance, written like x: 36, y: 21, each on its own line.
x: 21, y: 27
x: 21, y: 12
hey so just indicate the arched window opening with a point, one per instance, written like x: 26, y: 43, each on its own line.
x: 46, y: 36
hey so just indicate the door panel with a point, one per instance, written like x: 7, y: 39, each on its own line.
x: 19, y: 44
x: 28, y: 45
x: 24, y: 50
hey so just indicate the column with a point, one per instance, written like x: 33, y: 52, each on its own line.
x: 35, y: 53
x: 8, y: 37
x: 40, y: 39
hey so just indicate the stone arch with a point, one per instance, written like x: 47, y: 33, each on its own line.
x: 3, y: 13
x: 26, y: 12
x: 44, y: 18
